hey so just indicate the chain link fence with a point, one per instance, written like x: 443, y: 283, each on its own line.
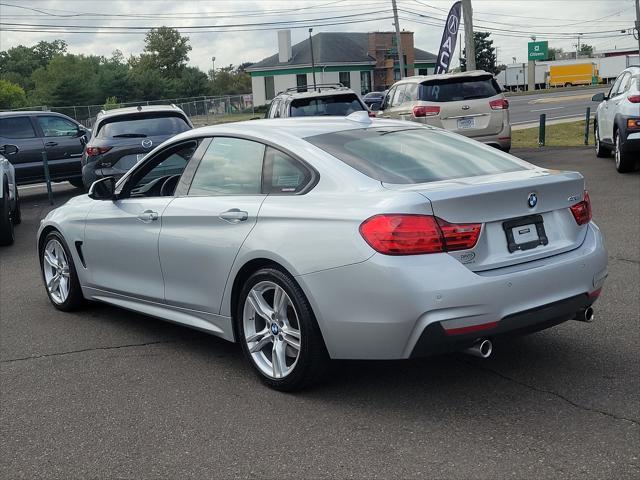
x: 201, y: 110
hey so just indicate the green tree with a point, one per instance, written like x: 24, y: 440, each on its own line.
x: 230, y: 81
x: 555, y: 53
x: 113, y: 77
x: 68, y: 80
x: 165, y: 50
x: 485, y: 53
x: 11, y: 95
x: 17, y: 64
x: 586, y: 50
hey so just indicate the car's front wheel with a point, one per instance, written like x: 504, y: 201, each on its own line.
x: 601, y: 150
x: 624, y: 162
x: 59, y: 273
x: 278, y: 331
x: 6, y: 222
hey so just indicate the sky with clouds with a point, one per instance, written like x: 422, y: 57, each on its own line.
x: 512, y: 21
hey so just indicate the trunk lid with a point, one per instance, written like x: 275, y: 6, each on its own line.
x: 499, y: 202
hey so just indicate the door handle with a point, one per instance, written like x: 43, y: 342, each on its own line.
x: 234, y: 215
x: 51, y: 144
x: 148, y: 216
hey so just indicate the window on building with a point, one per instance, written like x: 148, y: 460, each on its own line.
x: 301, y: 82
x: 345, y: 79
x: 269, y: 88
x: 365, y: 82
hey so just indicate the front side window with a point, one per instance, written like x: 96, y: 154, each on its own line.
x: 284, y: 174
x: 230, y: 166
x: 16, y: 127
x: 345, y: 79
x: 159, y: 175
x: 57, y: 127
x: 412, y: 155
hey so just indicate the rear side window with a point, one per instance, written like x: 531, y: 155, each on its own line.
x: 457, y: 89
x: 143, y: 126
x: 230, y: 166
x: 415, y: 155
x: 16, y: 127
x: 335, y: 105
x: 284, y: 174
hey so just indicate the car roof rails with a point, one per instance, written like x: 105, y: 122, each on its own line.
x: 311, y: 88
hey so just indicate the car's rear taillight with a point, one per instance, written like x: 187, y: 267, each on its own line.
x: 634, y: 98
x: 499, y: 104
x: 633, y: 123
x: 93, y: 151
x: 426, y: 111
x: 404, y: 234
x: 582, y: 210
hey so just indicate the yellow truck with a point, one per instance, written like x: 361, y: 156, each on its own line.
x: 576, y: 74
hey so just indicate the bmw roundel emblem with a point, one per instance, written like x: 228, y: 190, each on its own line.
x: 147, y: 143
x: 532, y: 201
x: 274, y: 328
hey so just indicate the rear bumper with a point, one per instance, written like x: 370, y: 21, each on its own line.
x: 395, y: 307
x: 502, y: 140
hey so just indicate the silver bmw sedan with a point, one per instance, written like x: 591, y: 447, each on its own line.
x: 331, y: 238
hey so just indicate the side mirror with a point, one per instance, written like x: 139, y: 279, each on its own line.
x: 103, y: 189
x: 9, y: 149
x: 598, y: 97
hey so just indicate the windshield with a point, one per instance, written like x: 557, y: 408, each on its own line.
x: 145, y: 126
x: 457, y: 89
x: 336, y: 105
x: 415, y: 155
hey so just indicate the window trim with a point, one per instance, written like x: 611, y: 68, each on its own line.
x: 187, y: 176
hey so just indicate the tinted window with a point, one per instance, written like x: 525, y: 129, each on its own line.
x: 455, y: 90
x: 57, y: 127
x: 230, y: 166
x: 284, y: 174
x: 140, y: 127
x: 16, y: 127
x: 338, y: 105
x: 418, y: 155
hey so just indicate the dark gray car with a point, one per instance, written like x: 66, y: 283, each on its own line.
x: 123, y: 136
x: 61, y: 137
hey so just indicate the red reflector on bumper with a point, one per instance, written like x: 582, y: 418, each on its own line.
x: 595, y: 293
x: 470, y: 328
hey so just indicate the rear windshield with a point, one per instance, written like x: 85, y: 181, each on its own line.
x: 415, y: 155
x: 457, y: 89
x: 337, y: 105
x: 145, y: 126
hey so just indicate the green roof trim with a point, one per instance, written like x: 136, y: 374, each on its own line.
x: 319, y: 69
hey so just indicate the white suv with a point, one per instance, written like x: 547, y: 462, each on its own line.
x: 468, y: 103
x: 617, y: 122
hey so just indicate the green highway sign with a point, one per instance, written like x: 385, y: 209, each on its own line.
x: 538, y: 50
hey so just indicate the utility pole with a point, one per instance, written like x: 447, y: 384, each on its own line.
x: 213, y: 68
x: 638, y: 22
x: 313, y: 63
x: 578, y: 47
x: 470, y: 46
x: 398, y: 38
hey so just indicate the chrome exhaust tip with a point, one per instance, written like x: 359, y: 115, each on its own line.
x: 586, y: 315
x: 482, y: 348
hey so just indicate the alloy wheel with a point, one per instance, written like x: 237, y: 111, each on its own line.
x: 271, y: 329
x: 617, y: 150
x: 55, y: 266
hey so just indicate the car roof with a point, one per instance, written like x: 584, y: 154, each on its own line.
x: 286, y: 129
x: 444, y: 76
x: 27, y: 113
x: 139, y: 109
x: 323, y: 92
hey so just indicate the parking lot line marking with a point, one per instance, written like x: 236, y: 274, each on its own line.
x: 546, y: 109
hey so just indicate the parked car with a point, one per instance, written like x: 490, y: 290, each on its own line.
x: 347, y: 238
x: 617, y: 121
x: 122, y: 136
x: 9, y: 196
x: 468, y: 103
x: 324, y: 100
x: 61, y: 137
x: 373, y: 100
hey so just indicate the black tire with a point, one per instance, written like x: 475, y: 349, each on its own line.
x: 601, y: 150
x: 7, y: 235
x: 75, y: 299
x: 16, y: 215
x: 624, y: 162
x: 313, y: 360
x: 77, y: 182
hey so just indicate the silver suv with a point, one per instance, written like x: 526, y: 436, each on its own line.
x: 617, y: 122
x: 468, y: 103
x: 331, y: 99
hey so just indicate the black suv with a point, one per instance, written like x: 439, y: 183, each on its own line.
x: 61, y: 137
x: 123, y: 136
x: 326, y: 99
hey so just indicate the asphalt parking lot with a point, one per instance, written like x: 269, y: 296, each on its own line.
x: 106, y: 393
